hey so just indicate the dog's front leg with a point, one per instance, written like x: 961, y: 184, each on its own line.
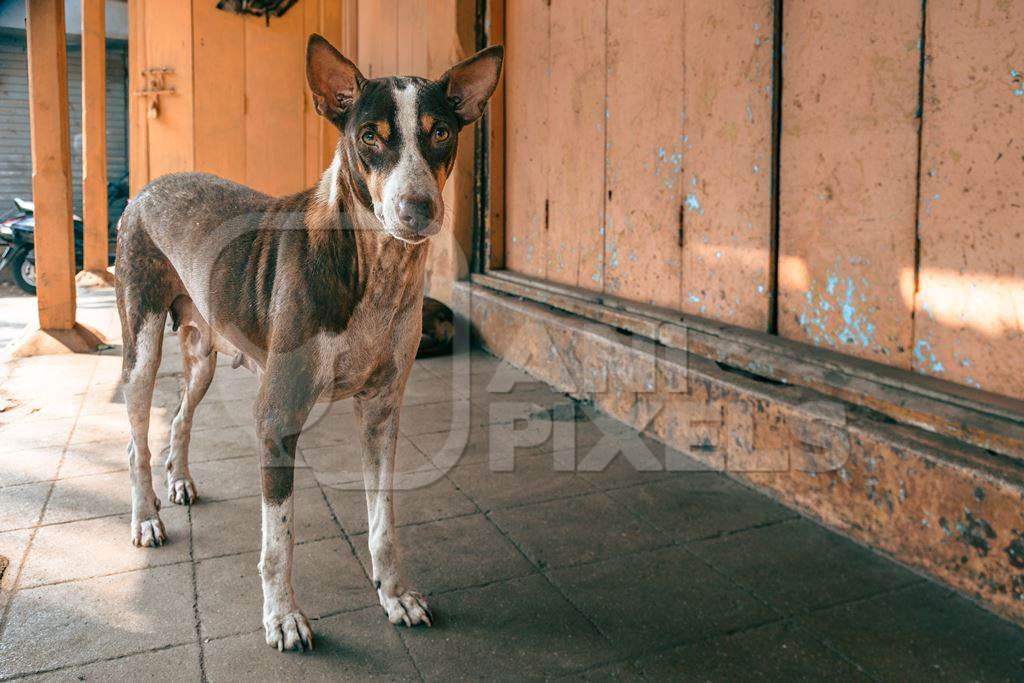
x: 283, y: 403
x: 378, y: 417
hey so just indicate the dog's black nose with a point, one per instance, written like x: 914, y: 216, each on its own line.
x: 416, y: 213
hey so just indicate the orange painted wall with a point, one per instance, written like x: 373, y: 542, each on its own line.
x: 241, y: 105
x: 848, y: 181
x: 639, y: 165
x: 727, y: 161
x: 969, y: 308
x: 899, y: 233
x: 526, y: 135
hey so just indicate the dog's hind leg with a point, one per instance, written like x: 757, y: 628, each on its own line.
x: 199, y: 362
x: 146, y: 339
x: 146, y: 285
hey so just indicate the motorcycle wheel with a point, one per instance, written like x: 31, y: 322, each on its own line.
x: 24, y: 271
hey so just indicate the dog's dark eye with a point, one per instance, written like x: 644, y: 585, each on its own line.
x: 369, y: 137
x: 441, y: 134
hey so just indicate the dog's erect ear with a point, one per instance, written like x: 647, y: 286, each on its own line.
x: 471, y: 82
x: 334, y: 80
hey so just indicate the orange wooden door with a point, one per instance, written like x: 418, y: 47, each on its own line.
x: 168, y: 45
x: 220, y: 120
x: 849, y: 175
x: 969, y: 309
x: 275, y: 102
x: 622, y: 116
x: 726, y: 157
x: 527, y: 135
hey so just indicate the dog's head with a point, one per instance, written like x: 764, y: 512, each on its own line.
x: 399, y: 135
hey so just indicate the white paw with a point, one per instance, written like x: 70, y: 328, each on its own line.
x: 409, y: 608
x: 289, y: 632
x: 181, y: 490
x: 148, y: 533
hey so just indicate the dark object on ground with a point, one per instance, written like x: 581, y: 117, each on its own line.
x: 438, y: 329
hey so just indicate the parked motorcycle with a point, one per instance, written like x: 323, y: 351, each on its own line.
x: 17, y: 235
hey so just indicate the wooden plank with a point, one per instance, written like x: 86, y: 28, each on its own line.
x: 94, y: 136
x: 219, y: 91
x: 527, y: 136
x: 645, y: 129
x: 138, y: 127
x: 495, y: 219
x: 412, y: 37
x: 726, y: 153
x: 349, y: 44
x: 332, y: 28
x: 275, y: 94
x: 378, y: 38
x: 970, y: 303
x: 168, y: 44
x: 848, y: 175
x: 982, y: 419
x: 312, y: 11
x: 51, y: 164
x: 576, y: 156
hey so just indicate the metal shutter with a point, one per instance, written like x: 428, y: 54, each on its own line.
x: 15, y: 146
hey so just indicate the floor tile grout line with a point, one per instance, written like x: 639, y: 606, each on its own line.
x: 631, y: 656
x: 116, y: 470
x: 550, y: 582
x: 797, y: 616
x: 16, y: 584
x: 526, y: 557
x: 558, y: 589
x: 670, y: 543
x: 197, y: 618
x: 781, y: 618
x: 175, y: 563
x: 206, y: 500
x: 99, y: 660
x: 369, y: 579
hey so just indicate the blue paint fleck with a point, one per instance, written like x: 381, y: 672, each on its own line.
x: 693, y: 204
x: 926, y: 358
x: 842, y: 295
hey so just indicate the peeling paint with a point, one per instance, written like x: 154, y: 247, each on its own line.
x: 841, y: 295
x: 926, y: 359
x: 1015, y: 551
x: 976, y: 532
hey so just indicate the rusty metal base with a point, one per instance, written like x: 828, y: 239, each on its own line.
x: 952, y: 511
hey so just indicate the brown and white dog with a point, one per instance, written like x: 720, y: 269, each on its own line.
x: 320, y: 293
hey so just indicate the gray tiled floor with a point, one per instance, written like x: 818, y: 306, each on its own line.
x: 532, y: 573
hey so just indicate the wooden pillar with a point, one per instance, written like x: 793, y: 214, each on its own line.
x: 94, y: 142
x: 58, y: 332
x: 51, y: 164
